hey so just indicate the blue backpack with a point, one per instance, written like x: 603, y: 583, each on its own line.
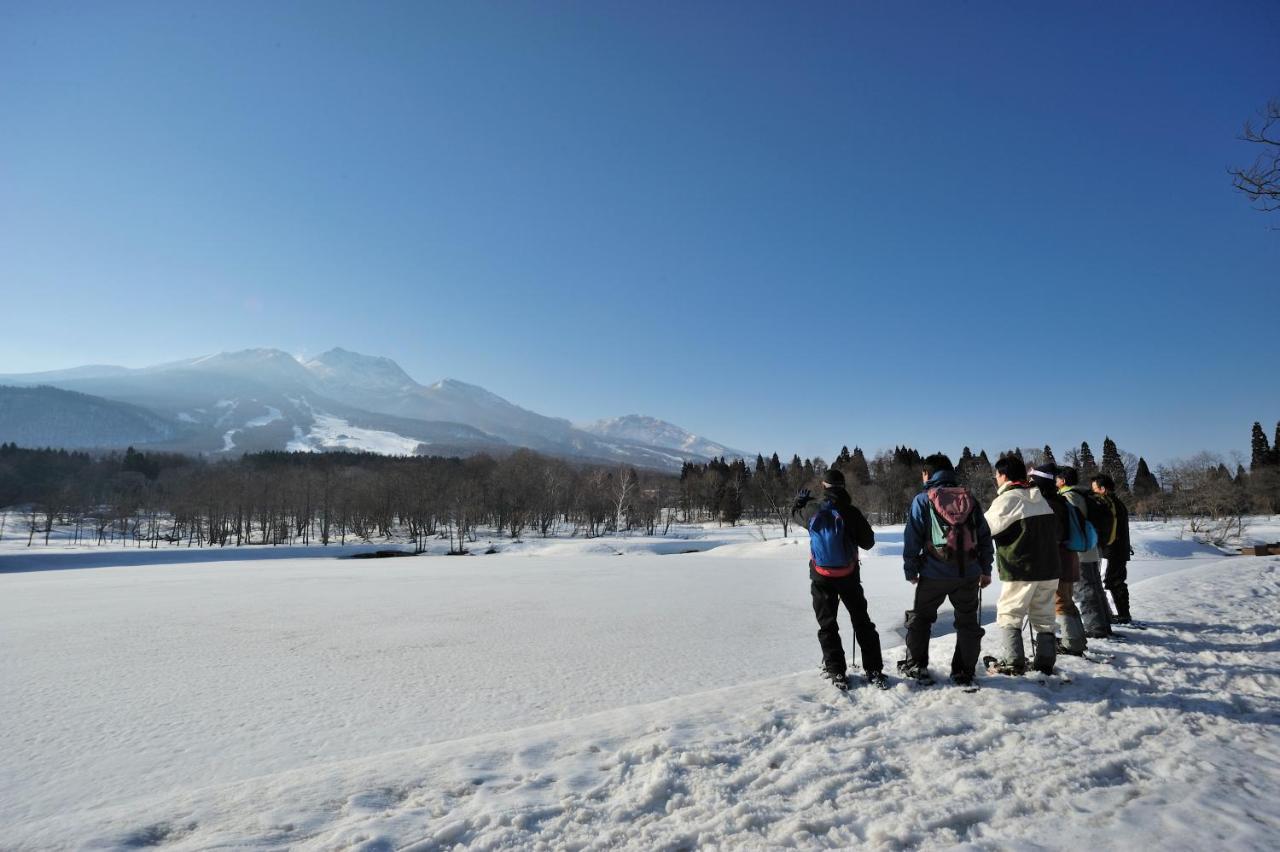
x: 829, y: 544
x: 1081, y: 536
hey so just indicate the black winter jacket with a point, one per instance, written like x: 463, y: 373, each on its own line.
x: 1118, y: 550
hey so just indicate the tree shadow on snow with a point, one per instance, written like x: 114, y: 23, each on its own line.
x: 1124, y: 693
x: 1181, y: 655
x: 18, y: 563
x: 1210, y: 642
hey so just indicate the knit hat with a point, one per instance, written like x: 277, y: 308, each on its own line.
x: 833, y: 476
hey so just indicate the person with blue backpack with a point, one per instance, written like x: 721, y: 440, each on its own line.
x: 947, y: 553
x: 1089, y: 595
x: 837, y: 529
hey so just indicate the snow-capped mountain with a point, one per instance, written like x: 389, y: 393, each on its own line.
x: 380, y: 385
x: 659, y: 433
x: 267, y: 399
x: 341, y: 371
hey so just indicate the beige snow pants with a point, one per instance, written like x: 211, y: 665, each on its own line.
x: 1020, y: 599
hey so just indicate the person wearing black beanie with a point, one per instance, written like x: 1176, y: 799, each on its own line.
x: 837, y: 529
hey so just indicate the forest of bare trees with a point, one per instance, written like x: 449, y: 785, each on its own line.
x: 155, y: 499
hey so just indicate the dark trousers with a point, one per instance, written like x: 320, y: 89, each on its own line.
x: 827, y: 594
x: 1116, y: 581
x: 930, y: 594
x: 1092, y: 602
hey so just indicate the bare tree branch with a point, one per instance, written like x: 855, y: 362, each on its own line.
x: 1260, y: 182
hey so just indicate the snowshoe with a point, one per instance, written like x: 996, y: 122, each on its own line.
x: 1004, y: 667
x: 965, y: 682
x: 838, y: 679
x: 1063, y: 648
x: 1094, y: 657
x: 878, y: 680
x: 919, y: 674
x: 913, y: 672
x: 1054, y: 678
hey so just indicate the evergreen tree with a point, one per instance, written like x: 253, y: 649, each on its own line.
x: 1113, y: 466
x: 1048, y: 455
x: 907, y: 456
x: 775, y: 467
x: 975, y: 474
x: 859, y: 468
x: 1262, y: 453
x: 843, y: 459
x: 1088, y: 467
x: 1275, y: 447
x: 1144, y: 482
x: 796, y: 477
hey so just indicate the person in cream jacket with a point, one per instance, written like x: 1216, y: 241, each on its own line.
x: 1026, y: 532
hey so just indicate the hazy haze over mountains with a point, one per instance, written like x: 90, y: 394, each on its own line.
x: 265, y: 399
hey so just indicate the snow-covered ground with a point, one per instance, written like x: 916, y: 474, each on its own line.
x: 606, y: 693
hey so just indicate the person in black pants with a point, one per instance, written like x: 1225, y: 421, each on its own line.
x: 1115, y: 554
x: 942, y: 572
x: 830, y: 585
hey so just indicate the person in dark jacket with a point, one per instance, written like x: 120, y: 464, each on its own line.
x: 1088, y: 594
x: 829, y: 585
x: 1072, y: 639
x: 940, y: 574
x: 1025, y: 531
x: 1115, y: 548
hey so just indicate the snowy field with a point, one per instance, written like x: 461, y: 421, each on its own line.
x: 607, y: 693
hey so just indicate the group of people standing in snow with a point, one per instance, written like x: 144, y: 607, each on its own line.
x: 1059, y: 548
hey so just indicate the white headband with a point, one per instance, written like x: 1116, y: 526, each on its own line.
x: 1040, y: 474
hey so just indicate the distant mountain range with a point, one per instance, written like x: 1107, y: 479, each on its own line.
x: 265, y: 399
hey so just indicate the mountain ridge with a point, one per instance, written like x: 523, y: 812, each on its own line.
x: 265, y: 398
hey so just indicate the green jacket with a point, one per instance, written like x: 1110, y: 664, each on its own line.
x: 1025, y: 531
x: 1075, y: 496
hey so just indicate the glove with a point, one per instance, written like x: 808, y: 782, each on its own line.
x: 803, y: 496
x: 984, y: 581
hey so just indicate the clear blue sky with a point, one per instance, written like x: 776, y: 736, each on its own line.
x: 783, y: 226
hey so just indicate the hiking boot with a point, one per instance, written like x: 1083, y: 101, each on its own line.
x: 962, y: 679
x: 1071, y: 629
x: 913, y: 670
x: 838, y: 679
x: 1046, y: 652
x: 1015, y: 656
x: 877, y: 679
x: 1015, y: 668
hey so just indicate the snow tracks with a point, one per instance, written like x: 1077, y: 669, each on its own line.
x: 1173, y: 742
